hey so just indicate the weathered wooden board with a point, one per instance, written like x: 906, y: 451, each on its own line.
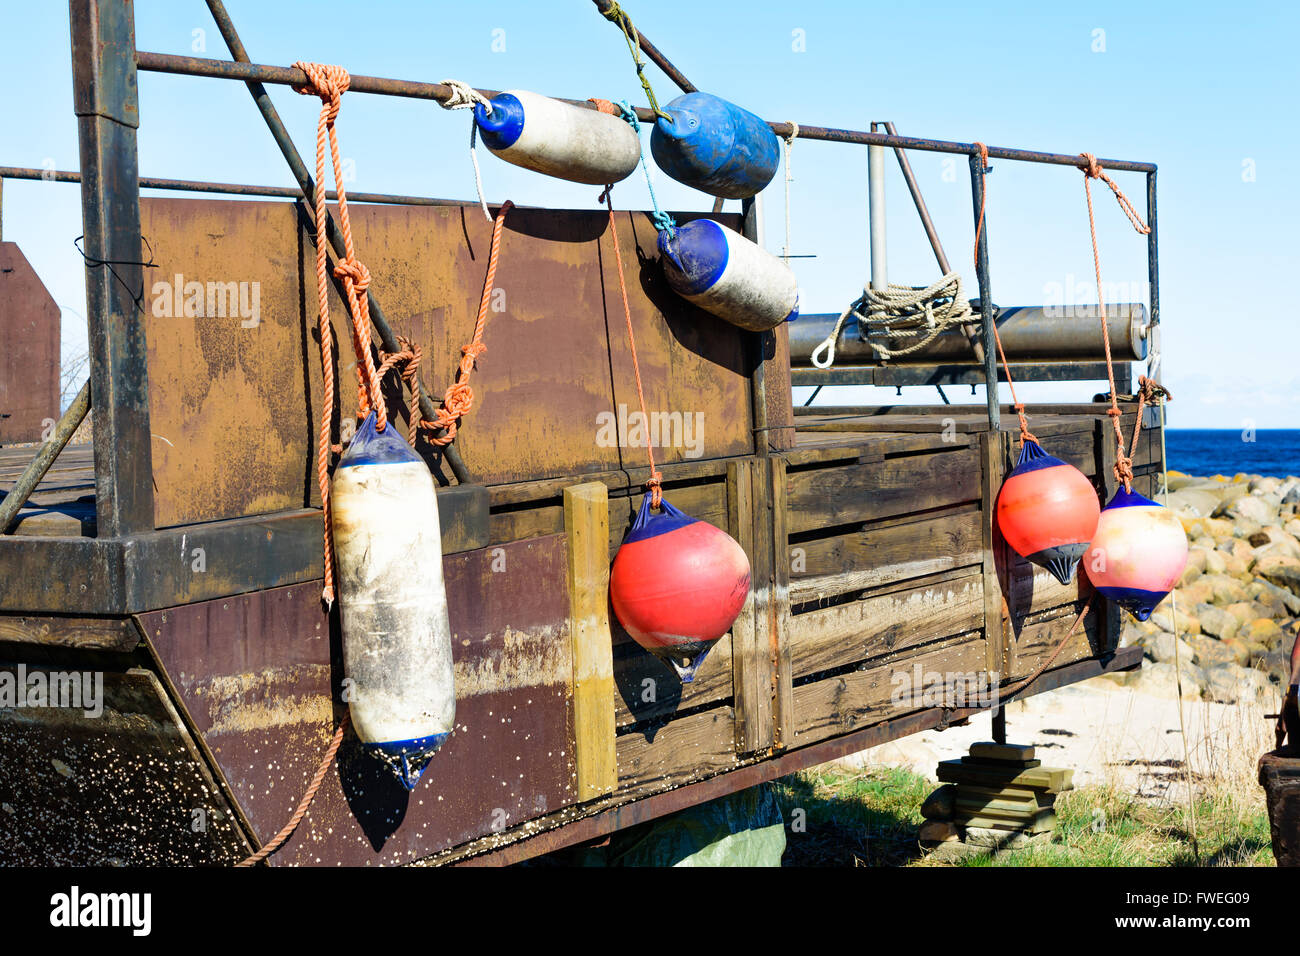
x: 886, y: 623
x: 847, y: 702
x: 125, y: 786
x: 1035, y: 640
x: 30, y: 360
x: 907, y: 484
x: 118, y: 634
x: 679, y: 751
x: 884, y: 552
x: 257, y: 674
x: 647, y: 689
x: 235, y: 404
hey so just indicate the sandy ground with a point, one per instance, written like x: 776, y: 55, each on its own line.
x: 1110, y: 735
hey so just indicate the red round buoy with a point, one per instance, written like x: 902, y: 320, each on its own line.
x: 1138, y: 553
x: 1047, y: 511
x: 677, y: 585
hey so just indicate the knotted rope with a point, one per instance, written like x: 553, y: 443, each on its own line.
x: 655, y: 484
x: 465, y: 97
x: 1092, y: 170
x: 919, y: 314
x: 615, y: 14
x: 459, y: 397
x: 329, y: 83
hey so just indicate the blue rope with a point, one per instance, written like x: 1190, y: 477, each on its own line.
x: 662, y: 221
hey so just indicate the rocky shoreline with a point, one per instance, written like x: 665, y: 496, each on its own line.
x: 1238, y: 602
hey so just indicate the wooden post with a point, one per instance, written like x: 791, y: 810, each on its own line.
x: 586, y: 522
x: 751, y: 669
x: 760, y: 651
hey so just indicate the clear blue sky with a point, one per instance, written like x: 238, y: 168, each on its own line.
x: 1206, y: 91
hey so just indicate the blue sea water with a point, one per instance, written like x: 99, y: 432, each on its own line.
x: 1207, y: 451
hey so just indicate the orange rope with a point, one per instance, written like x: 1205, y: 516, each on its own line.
x: 330, y: 83
x: 1092, y: 170
x: 655, y: 484
x: 1025, y: 433
x: 317, y: 779
x: 459, y: 397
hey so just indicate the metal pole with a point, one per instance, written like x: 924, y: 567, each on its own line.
x: 334, y: 235
x: 104, y: 85
x: 1153, y: 274
x: 986, y: 302
x: 229, y: 189
x: 38, y: 466
x: 288, y: 76
x: 969, y: 328
x: 876, y: 213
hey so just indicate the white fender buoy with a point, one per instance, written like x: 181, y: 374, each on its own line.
x: 558, y: 139
x: 392, y: 601
x: 724, y: 273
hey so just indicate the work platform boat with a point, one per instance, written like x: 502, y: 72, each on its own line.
x: 178, y: 560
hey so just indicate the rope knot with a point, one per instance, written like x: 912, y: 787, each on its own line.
x: 1113, y: 412
x: 1091, y: 168
x: 328, y: 81
x: 354, y: 271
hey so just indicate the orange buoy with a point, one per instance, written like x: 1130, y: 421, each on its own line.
x: 1047, y: 511
x: 677, y: 585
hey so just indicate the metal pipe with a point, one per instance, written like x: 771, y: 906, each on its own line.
x: 913, y: 187
x: 1153, y: 272
x: 13, y: 502
x: 1030, y: 333
x: 288, y: 76
x: 650, y: 50
x: 876, y: 215
x: 334, y: 235
x: 986, y: 301
x: 230, y: 189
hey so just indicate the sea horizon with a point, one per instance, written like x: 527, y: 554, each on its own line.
x: 1229, y: 451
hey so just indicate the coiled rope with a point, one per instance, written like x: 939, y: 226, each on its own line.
x: 465, y: 97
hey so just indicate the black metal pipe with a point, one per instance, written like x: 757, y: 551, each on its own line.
x: 1153, y: 254
x: 228, y: 189
x: 650, y: 50
x: 986, y: 301
x: 288, y: 76
x: 307, y: 186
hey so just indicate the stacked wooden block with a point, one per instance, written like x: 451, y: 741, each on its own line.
x: 997, y: 797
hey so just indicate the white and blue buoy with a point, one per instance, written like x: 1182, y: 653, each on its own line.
x: 557, y: 138
x: 724, y: 273
x: 392, y: 601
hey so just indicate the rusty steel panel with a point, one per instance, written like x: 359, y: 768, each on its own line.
x: 234, y: 404
x: 29, y: 361
x: 123, y: 786
x: 255, y: 673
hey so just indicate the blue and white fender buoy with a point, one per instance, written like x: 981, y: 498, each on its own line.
x: 677, y: 585
x: 1138, y: 553
x: 558, y: 139
x: 392, y: 601
x: 724, y: 273
x: 715, y: 146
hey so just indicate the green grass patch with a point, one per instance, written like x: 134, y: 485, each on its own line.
x: 870, y: 817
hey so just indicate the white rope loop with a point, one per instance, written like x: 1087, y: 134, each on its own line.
x: 916, y: 314
x: 464, y: 97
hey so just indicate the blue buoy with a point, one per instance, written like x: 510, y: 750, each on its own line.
x: 715, y: 146
x: 724, y: 273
